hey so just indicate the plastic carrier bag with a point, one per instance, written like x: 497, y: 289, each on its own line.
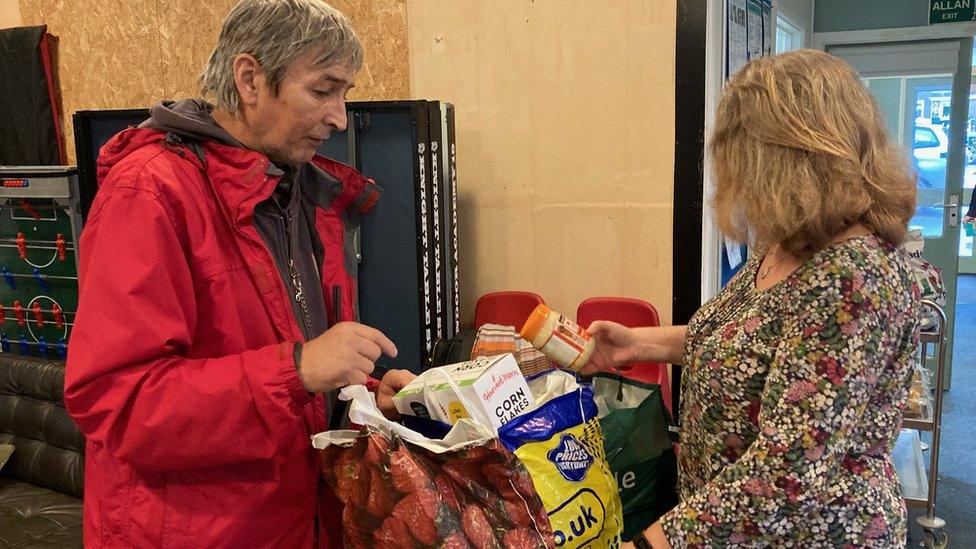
x: 639, y: 449
x: 561, y: 445
x: 400, y: 488
x: 928, y: 277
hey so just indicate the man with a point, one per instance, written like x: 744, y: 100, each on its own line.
x: 970, y: 216
x: 217, y: 298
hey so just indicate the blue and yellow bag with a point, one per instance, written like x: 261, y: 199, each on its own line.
x: 561, y: 445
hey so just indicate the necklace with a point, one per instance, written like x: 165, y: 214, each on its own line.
x: 764, y: 272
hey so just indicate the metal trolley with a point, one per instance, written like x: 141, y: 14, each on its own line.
x: 918, y: 486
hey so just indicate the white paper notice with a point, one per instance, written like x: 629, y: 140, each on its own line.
x: 738, y: 44
x: 734, y: 252
x: 769, y: 35
x: 755, y: 26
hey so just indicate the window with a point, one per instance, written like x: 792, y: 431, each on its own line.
x: 925, y: 138
x: 788, y: 36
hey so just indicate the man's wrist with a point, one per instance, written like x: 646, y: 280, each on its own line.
x: 297, y: 356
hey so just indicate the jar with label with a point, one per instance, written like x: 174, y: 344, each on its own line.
x: 558, y: 337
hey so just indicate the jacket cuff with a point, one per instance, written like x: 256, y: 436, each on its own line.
x: 372, y: 384
x: 293, y: 381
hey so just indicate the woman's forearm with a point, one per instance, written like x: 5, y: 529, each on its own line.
x: 660, y: 344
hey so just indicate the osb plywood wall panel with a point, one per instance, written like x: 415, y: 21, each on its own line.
x: 565, y: 125
x: 9, y: 14
x: 117, y: 54
x: 382, y: 27
x: 187, y: 34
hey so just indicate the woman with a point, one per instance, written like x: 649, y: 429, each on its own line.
x: 797, y: 372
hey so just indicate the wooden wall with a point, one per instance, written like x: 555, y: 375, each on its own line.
x: 565, y: 119
x: 9, y: 14
x: 565, y: 136
x: 129, y: 54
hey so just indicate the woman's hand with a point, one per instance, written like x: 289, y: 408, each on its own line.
x: 656, y: 536
x: 614, y: 347
x: 618, y: 345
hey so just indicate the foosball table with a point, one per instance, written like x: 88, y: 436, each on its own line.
x: 39, y: 229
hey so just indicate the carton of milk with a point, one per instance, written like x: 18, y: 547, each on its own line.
x: 494, y: 387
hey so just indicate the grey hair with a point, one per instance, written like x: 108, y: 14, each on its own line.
x: 276, y: 33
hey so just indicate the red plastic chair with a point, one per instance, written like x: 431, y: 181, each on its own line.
x: 633, y: 313
x: 505, y: 308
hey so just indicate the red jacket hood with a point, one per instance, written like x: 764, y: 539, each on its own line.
x: 239, y: 173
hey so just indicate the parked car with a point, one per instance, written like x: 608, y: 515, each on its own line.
x: 931, y: 144
x: 923, y: 181
x: 930, y: 147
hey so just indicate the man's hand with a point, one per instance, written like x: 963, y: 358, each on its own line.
x: 392, y: 382
x: 344, y: 355
x: 968, y: 219
x: 614, y: 347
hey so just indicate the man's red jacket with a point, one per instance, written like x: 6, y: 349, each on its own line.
x: 180, y: 370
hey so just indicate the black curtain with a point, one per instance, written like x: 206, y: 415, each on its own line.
x: 29, y: 125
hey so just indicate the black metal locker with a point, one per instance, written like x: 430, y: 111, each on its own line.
x: 408, y: 244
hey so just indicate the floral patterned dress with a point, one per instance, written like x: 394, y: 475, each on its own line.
x: 792, y: 403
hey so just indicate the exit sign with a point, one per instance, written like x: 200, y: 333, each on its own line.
x: 950, y: 11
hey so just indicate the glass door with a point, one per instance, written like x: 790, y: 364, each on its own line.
x: 914, y: 83
x: 967, y: 259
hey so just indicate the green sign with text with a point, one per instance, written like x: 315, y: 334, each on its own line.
x: 950, y: 11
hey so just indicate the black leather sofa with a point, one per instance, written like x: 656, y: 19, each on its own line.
x: 41, y: 484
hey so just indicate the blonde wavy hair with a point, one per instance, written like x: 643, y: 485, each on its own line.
x: 801, y: 152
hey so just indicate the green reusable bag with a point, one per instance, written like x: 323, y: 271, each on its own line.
x: 639, y: 449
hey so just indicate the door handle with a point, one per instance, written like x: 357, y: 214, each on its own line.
x: 953, y: 206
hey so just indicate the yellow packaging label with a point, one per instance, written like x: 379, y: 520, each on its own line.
x: 456, y: 411
x: 576, y: 486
